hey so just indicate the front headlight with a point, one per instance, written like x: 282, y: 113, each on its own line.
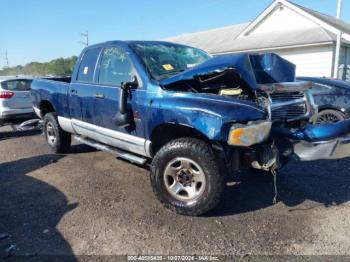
x: 249, y: 134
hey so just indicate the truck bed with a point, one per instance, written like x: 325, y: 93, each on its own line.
x: 54, y: 90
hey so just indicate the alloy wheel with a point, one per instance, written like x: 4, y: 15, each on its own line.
x: 184, y: 179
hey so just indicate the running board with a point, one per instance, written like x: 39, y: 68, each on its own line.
x: 112, y: 150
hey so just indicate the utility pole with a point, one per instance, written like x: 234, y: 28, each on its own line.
x: 85, y: 35
x: 338, y: 45
x: 6, y: 59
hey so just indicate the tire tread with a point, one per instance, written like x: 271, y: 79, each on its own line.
x: 195, y: 146
x: 63, y: 140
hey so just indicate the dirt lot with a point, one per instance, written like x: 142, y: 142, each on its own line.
x: 88, y: 202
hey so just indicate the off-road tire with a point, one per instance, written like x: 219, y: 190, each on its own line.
x: 200, y: 152
x: 63, y: 139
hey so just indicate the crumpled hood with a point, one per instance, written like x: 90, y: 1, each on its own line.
x: 254, y: 69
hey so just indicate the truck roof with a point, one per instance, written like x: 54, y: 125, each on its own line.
x: 127, y: 42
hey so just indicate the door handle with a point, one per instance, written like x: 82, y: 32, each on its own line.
x: 100, y: 96
x: 73, y: 91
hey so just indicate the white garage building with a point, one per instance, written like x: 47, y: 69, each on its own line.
x: 303, y: 36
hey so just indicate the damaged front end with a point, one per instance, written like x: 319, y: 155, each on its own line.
x: 269, y: 81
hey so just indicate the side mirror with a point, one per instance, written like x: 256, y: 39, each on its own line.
x: 131, y: 84
x: 124, y: 117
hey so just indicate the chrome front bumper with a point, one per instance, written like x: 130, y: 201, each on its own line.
x: 335, y: 149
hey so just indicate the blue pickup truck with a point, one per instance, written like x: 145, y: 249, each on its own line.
x: 193, y: 117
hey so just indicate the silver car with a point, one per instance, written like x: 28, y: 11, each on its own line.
x: 15, y: 100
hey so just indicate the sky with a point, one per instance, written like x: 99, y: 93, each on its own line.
x: 41, y: 30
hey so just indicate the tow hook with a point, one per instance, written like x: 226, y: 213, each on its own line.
x: 267, y: 157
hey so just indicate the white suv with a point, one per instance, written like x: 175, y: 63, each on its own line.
x: 15, y: 100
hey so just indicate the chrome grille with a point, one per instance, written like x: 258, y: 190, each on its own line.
x: 289, y: 112
x: 285, y: 96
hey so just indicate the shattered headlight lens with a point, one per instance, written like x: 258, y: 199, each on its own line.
x: 249, y: 134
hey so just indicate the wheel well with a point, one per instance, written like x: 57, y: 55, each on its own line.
x: 46, y: 107
x: 345, y: 114
x: 164, y: 133
x: 329, y: 107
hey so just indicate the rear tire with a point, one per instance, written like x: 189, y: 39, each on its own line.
x: 329, y: 116
x: 186, y: 177
x: 58, y: 140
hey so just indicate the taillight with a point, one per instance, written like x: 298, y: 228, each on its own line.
x: 6, y: 94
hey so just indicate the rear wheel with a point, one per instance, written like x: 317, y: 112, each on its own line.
x: 186, y: 176
x: 329, y: 116
x: 58, y: 140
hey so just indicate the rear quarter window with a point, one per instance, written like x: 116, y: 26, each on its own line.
x: 16, y: 85
x: 87, y: 65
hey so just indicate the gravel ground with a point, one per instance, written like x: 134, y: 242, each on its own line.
x: 88, y: 202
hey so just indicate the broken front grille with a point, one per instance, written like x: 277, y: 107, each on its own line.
x: 288, y: 106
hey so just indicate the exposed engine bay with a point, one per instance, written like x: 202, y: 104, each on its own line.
x: 226, y: 81
x: 268, y: 80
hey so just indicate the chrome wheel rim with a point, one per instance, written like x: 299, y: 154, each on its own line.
x: 50, y: 133
x: 184, y: 179
x: 327, y: 118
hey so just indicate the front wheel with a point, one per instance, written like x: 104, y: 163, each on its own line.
x: 186, y: 177
x: 58, y: 140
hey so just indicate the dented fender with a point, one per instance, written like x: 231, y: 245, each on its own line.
x: 211, y: 115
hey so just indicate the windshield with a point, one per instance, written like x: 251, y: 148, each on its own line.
x: 166, y: 59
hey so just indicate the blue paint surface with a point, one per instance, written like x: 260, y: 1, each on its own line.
x: 315, y: 133
x: 152, y: 105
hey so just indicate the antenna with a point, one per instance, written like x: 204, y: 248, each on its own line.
x: 85, y: 35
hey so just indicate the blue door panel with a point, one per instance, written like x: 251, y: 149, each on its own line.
x: 105, y: 110
x: 82, y: 98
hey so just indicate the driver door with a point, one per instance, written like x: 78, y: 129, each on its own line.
x: 116, y: 68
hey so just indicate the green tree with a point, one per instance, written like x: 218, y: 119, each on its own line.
x: 57, y: 67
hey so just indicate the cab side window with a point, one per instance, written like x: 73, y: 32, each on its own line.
x: 87, y: 65
x: 115, y: 67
